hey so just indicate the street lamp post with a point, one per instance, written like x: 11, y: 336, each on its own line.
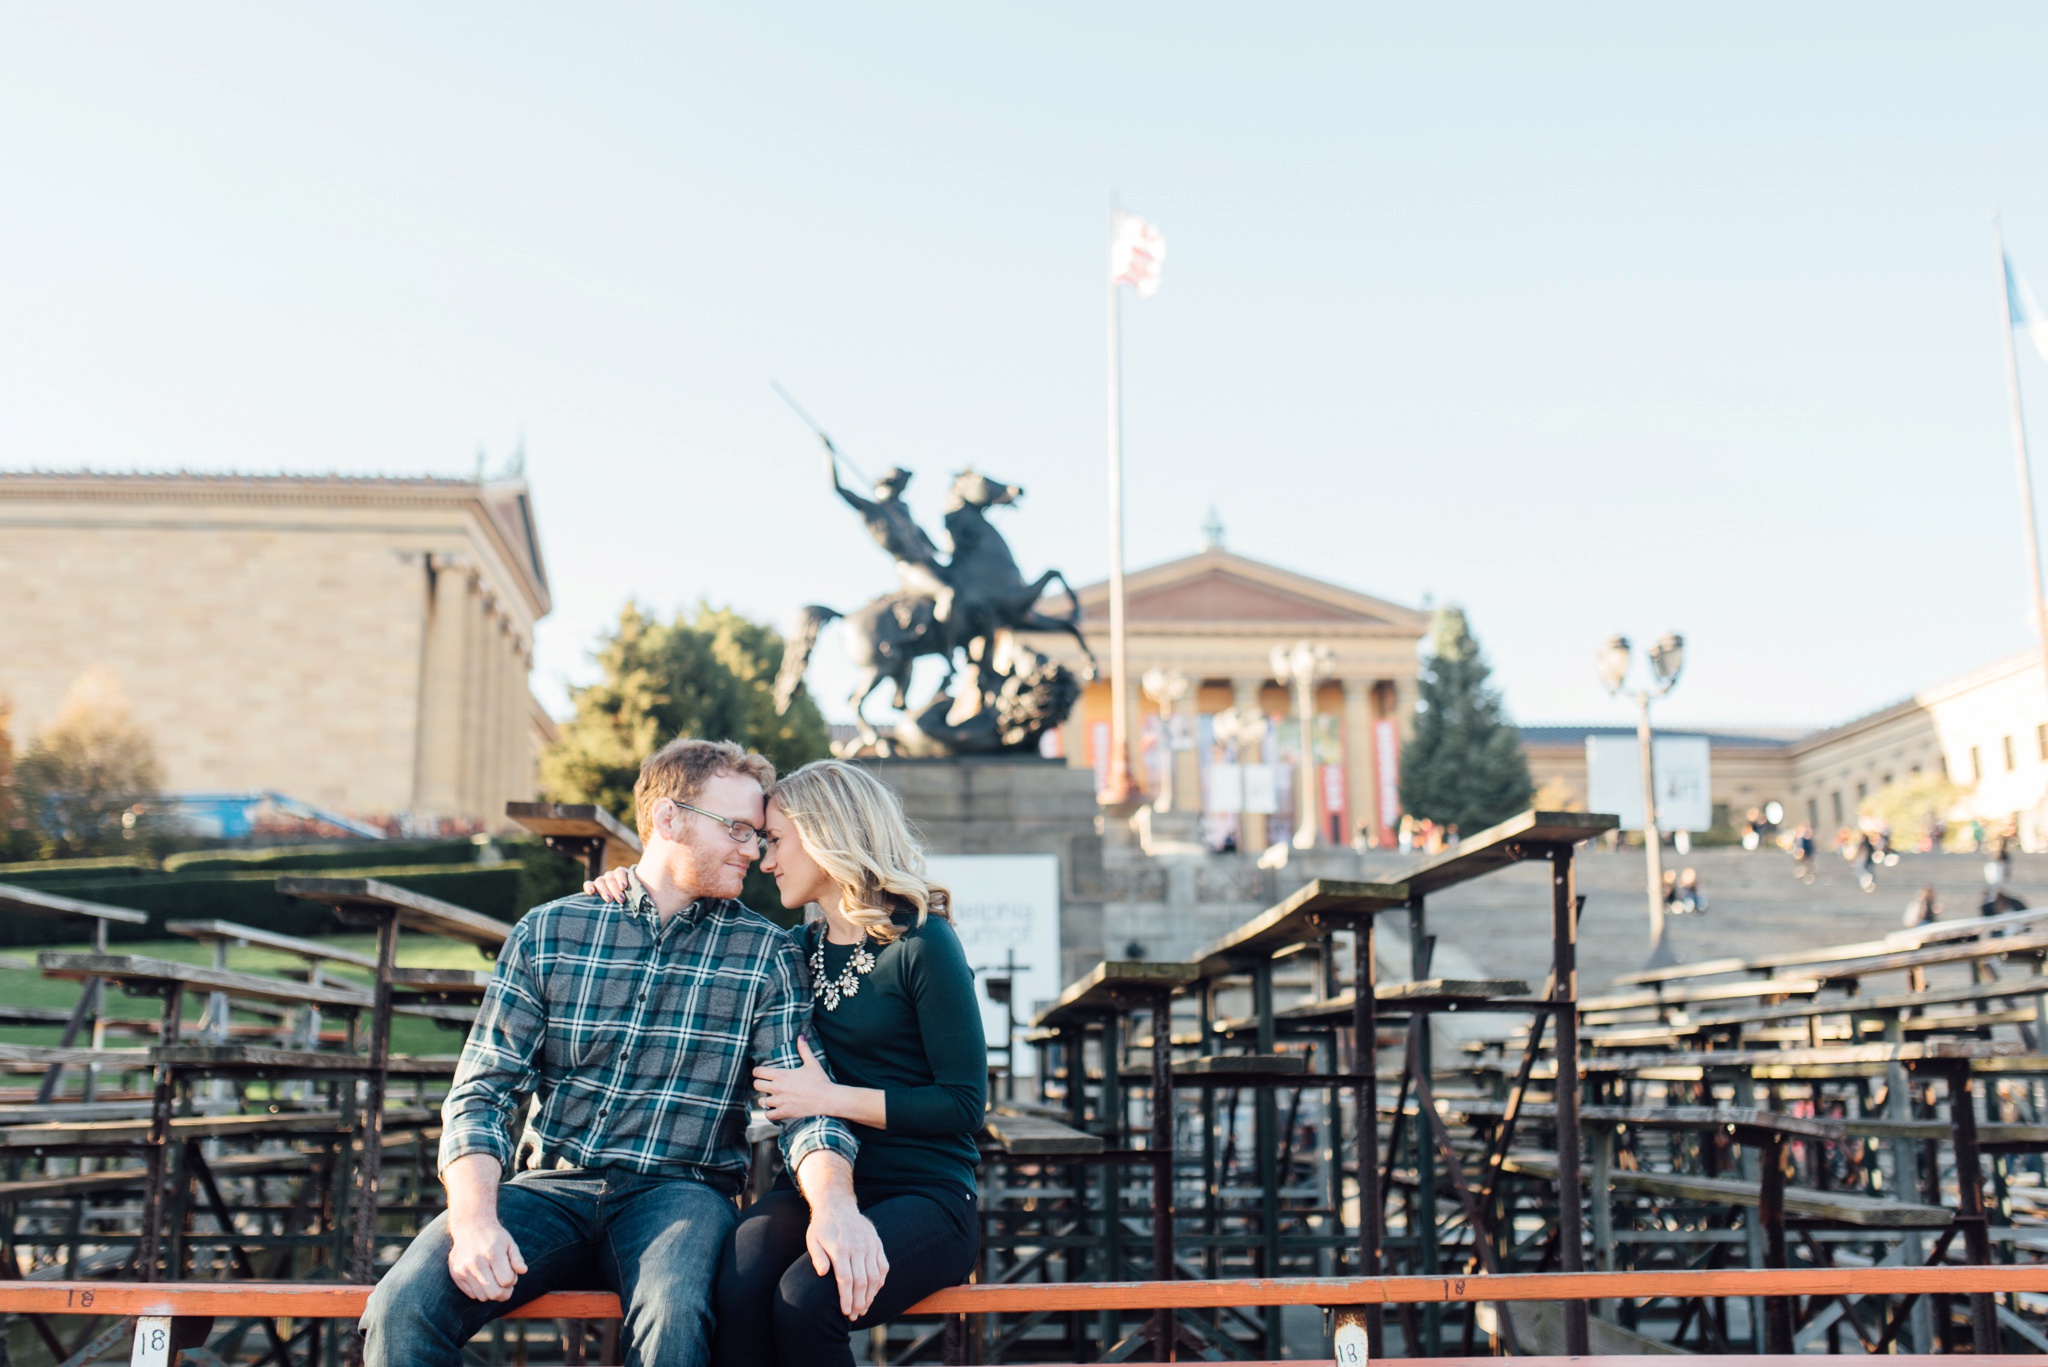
x: 1303, y: 665
x: 1666, y: 658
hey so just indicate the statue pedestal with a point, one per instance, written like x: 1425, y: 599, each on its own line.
x: 1014, y: 804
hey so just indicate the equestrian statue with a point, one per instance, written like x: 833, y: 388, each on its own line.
x: 963, y: 608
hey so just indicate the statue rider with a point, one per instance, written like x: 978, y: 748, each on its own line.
x: 890, y: 522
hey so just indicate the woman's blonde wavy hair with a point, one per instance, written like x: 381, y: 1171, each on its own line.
x: 854, y: 827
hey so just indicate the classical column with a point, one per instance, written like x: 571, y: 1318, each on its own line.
x: 438, y: 748
x: 1244, y: 693
x: 1358, y: 775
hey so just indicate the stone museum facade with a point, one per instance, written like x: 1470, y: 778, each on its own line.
x: 1215, y: 618
x: 359, y: 644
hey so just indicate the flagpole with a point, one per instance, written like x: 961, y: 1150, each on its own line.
x: 2019, y: 445
x: 1118, y: 787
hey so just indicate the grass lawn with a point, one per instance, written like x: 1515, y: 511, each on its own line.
x: 408, y: 1035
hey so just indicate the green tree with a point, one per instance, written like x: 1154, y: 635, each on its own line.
x: 710, y: 674
x: 85, y: 781
x: 1465, y: 766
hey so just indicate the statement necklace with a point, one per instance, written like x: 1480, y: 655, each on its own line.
x: 859, y: 966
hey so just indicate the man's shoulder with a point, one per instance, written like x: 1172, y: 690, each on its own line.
x: 750, y: 931
x: 571, y: 916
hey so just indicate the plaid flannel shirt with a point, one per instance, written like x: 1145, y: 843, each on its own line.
x: 640, y: 1037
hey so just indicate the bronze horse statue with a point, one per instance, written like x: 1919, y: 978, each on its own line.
x: 990, y: 595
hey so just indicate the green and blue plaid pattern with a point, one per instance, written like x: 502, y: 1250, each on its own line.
x: 639, y: 1037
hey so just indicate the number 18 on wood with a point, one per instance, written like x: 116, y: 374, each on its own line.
x: 1350, y: 1339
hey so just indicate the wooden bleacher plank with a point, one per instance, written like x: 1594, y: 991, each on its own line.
x: 446, y: 1015
x: 1925, y: 1051
x: 368, y: 898
x: 579, y: 821
x: 270, y: 939
x: 221, y: 1060
x: 1023, y: 1136
x: 138, y: 969
x: 119, y: 1179
x: 40, y: 1058
x: 1105, y: 989
x: 1495, y: 847
x: 51, y: 907
x: 1867, y: 952
x: 1868, y: 1212
x: 1433, y: 993
x: 33, y: 1015
x: 345, y: 1301
x: 136, y: 1130
x: 453, y: 982
x: 1711, y: 992
x: 1298, y: 919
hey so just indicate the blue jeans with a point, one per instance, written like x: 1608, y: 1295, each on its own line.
x: 653, y: 1240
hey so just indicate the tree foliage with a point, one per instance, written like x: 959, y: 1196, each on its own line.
x: 1465, y: 766
x: 710, y: 674
x: 83, y: 782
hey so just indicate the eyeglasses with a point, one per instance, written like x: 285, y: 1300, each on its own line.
x: 742, y: 832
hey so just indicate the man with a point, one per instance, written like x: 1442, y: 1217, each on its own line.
x: 889, y: 521
x: 638, y: 1027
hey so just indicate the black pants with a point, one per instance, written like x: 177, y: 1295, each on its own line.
x: 774, y: 1308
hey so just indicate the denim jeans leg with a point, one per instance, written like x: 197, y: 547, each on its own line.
x: 418, y: 1317
x: 662, y: 1241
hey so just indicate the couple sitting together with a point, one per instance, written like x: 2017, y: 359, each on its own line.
x: 643, y: 1016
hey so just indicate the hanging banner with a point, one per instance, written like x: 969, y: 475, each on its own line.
x: 1386, y: 751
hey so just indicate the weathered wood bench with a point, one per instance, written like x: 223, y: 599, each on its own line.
x: 580, y: 830
x: 163, y: 1314
x: 1847, y: 1208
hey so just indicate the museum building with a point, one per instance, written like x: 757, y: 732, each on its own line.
x: 361, y: 645
x: 1214, y: 619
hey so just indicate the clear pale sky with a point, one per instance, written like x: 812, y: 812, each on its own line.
x: 1589, y: 319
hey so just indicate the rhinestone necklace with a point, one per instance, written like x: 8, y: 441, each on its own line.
x: 848, y: 984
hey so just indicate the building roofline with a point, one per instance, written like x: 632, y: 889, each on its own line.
x: 1337, y: 596
x: 519, y: 546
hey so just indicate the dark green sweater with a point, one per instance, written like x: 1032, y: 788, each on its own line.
x: 913, y: 1032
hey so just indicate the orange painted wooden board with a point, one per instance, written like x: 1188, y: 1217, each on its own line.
x: 317, y: 1300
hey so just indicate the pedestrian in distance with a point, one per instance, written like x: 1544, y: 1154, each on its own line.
x: 1924, y: 909
x: 1802, y: 846
x: 1691, y: 900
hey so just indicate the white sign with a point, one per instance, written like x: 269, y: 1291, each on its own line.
x: 1614, y: 781
x: 1262, y: 789
x: 1007, y: 908
x: 1226, y: 788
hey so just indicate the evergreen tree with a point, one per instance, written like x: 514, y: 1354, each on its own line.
x: 711, y: 674
x: 1465, y: 766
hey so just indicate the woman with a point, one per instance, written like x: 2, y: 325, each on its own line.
x: 896, y: 1011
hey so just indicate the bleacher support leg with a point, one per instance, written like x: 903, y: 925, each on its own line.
x: 1365, y: 1063
x: 1564, y: 949
x: 1970, y: 1212
x: 1162, y: 1166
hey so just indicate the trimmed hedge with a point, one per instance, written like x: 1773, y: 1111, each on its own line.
x: 358, y: 854
x: 42, y: 872
x: 252, y: 899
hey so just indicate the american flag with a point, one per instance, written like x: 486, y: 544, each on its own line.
x: 1135, y: 253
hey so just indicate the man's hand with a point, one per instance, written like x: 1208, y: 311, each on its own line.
x: 482, y: 1258
x: 840, y: 1239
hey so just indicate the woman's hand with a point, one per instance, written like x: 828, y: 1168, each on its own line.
x: 610, y: 885
x: 798, y: 1093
